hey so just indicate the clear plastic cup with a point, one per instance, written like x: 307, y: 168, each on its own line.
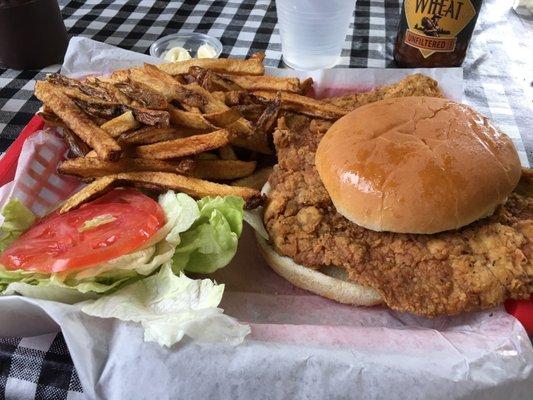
x: 313, y: 31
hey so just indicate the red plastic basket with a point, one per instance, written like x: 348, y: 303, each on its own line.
x: 520, y: 309
x: 8, y: 163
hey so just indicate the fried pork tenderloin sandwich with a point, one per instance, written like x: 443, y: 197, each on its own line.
x: 410, y: 201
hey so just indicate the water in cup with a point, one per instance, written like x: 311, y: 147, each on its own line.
x: 313, y: 31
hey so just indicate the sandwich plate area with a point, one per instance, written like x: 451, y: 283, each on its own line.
x: 295, y: 336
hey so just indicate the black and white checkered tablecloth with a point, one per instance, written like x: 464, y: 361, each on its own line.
x: 38, y: 367
x: 497, y: 82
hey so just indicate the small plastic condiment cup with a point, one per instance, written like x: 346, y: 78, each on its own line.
x: 190, y: 41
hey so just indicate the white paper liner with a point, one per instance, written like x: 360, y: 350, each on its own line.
x: 301, y: 346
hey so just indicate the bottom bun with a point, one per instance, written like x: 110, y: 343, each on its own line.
x: 329, y: 282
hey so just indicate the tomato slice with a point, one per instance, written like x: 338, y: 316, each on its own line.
x: 113, y: 225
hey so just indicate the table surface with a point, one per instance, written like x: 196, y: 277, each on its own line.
x: 497, y: 72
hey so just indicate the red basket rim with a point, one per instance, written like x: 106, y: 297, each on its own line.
x: 8, y: 163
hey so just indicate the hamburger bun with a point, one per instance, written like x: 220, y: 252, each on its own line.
x: 330, y: 282
x: 416, y: 165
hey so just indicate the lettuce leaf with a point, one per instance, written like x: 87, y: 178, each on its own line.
x: 211, y: 242
x: 147, y: 286
x: 17, y: 219
x: 171, y: 306
x: 205, y: 232
x: 254, y: 218
x: 47, y: 290
x: 181, y: 212
x: 86, y: 283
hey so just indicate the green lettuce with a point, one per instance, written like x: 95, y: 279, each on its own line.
x: 181, y: 212
x: 169, y: 306
x: 211, y: 241
x: 199, y: 236
x: 48, y: 290
x: 17, y: 219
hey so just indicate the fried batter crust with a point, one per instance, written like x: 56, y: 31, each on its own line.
x: 411, y: 85
x: 473, y: 268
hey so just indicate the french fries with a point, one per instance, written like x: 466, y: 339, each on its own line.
x: 212, y: 81
x: 116, y: 95
x: 251, y: 112
x: 106, y: 109
x: 251, y: 66
x: 163, y: 84
x: 270, y: 83
x: 268, y: 118
x: 118, y: 76
x: 149, y: 135
x: 86, y: 167
x: 194, y: 187
x: 240, y: 98
x: 158, y: 118
x: 244, y: 134
x: 143, y: 95
x: 304, y: 105
x: 77, y: 148
x: 220, y: 96
x: 189, y: 119
x: 227, y: 153
x: 50, y: 118
x: 256, y: 180
x: 92, y: 105
x: 184, y: 147
x: 248, y: 138
x: 176, y: 126
x: 223, y: 169
x: 84, y: 87
x: 223, y: 118
x: 89, y: 192
x: 207, y: 156
x: 79, y: 122
x: 213, y: 113
x: 118, y: 125
x: 209, y: 103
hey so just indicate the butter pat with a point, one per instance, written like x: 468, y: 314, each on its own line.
x: 206, y: 51
x: 177, y: 54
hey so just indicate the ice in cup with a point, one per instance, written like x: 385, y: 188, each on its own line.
x: 313, y: 31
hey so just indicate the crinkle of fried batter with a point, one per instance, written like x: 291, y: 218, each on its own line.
x: 476, y: 267
x: 411, y: 85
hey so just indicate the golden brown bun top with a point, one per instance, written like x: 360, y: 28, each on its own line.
x: 416, y: 165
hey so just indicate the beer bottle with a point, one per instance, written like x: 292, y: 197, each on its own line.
x: 435, y: 33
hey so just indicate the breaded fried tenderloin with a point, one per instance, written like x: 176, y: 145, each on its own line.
x: 411, y: 85
x: 474, y: 267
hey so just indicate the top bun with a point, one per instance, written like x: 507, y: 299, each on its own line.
x: 416, y: 165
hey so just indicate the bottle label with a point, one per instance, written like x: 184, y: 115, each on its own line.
x: 433, y: 25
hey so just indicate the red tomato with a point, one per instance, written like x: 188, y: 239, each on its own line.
x: 62, y: 242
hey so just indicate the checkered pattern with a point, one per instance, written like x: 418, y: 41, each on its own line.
x: 37, y: 183
x: 45, y: 160
x: 37, y: 367
x: 495, y: 80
